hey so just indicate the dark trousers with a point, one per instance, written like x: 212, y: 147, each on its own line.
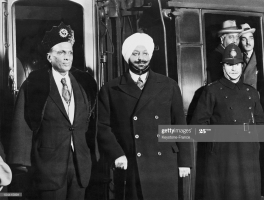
x: 71, y: 189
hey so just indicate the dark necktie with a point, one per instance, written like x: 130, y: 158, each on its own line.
x: 140, y: 83
x: 246, y: 58
x: 65, y: 91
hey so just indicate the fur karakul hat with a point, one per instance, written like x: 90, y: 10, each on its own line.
x: 56, y: 35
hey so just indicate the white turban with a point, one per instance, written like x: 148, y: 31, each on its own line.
x: 137, y: 39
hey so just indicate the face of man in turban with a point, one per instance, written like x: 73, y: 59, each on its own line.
x: 61, y: 56
x: 139, y: 58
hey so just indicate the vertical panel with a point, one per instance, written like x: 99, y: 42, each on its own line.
x: 189, y: 24
x: 3, y: 78
x: 191, y: 72
x: 190, y: 61
x: 190, y: 66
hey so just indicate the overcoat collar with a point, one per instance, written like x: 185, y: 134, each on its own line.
x: 128, y: 86
x: 152, y: 87
x: 230, y: 84
x: 252, y: 63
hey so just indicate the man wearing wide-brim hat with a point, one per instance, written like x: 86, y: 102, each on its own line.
x: 52, y: 119
x: 250, y: 70
x: 232, y: 169
x: 228, y: 34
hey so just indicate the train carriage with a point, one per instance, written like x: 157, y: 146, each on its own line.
x: 184, y: 32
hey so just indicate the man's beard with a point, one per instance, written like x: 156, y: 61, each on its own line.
x: 137, y: 70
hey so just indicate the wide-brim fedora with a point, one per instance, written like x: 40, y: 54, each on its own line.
x: 229, y: 26
x: 246, y: 29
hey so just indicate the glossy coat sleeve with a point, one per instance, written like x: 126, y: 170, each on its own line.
x: 204, y: 109
x: 105, y: 137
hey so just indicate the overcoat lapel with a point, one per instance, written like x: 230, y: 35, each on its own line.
x: 128, y: 86
x: 77, y: 96
x: 252, y: 63
x: 55, y: 96
x: 152, y: 87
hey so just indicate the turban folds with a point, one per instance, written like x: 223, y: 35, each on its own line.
x: 137, y: 39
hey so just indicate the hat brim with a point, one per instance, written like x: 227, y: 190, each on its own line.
x: 221, y: 32
x: 232, y: 61
x: 252, y: 30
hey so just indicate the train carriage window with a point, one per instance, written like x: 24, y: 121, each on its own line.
x: 213, y: 23
x: 31, y: 23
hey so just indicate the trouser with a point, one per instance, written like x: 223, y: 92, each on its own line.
x: 71, y: 189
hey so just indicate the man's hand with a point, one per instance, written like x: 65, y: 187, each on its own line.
x: 121, y: 162
x: 184, y: 171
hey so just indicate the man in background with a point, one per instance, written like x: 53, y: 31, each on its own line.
x: 250, y: 70
x: 228, y: 34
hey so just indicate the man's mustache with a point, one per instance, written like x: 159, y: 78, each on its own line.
x: 141, y: 62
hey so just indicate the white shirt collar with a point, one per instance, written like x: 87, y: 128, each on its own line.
x: 135, y: 77
x: 249, y: 53
x: 57, y: 75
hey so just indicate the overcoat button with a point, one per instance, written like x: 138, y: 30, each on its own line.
x: 136, y: 136
x: 249, y: 108
x: 138, y: 154
x: 249, y: 97
x: 221, y: 88
x: 135, y: 117
x: 234, y: 120
x: 226, y: 97
x: 247, y: 89
x: 158, y: 135
x: 156, y: 117
x: 71, y: 129
x: 159, y: 153
x: 231, y: 108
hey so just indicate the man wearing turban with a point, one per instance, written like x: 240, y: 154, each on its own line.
x: 130, y: 108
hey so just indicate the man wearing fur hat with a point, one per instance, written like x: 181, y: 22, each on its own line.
x: 228, y: 34
x: 52, y: 114
x: 250, y: 62
x: 232, y: 168
x: 130, y: 109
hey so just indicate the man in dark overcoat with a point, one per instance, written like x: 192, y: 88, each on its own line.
x: 52, y: 114
x: 130, y: 109
x: 232, y: 169
x: 228, y: 35
x: 250, y: 70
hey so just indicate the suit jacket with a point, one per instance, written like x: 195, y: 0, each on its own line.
x: 41, y: 133
x: 250, y: 71
x: 128, y: 120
